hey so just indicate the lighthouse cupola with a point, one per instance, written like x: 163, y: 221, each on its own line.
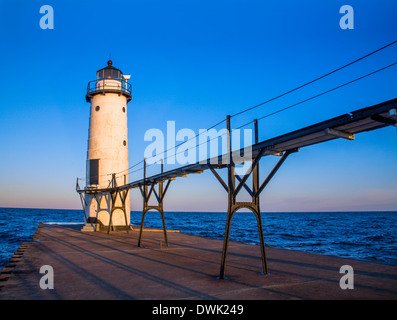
x: 109, y: 79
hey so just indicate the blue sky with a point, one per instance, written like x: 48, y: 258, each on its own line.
x: 194, y: 62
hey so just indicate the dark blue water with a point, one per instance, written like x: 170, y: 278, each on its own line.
x: 18, y: 225
x: 370, y: 236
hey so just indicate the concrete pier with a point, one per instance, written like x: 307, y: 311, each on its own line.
x: 95, y: 265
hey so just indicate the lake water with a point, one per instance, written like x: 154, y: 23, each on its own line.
x: 370, y: 236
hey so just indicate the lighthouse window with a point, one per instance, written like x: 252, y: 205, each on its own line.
x: 124, y: 109
x: 124, y: 142
x: 97, y: 108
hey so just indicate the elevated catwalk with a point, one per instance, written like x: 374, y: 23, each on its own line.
x: 343, y: 127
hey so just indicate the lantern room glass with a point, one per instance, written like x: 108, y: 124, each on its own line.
x: 109, y: 72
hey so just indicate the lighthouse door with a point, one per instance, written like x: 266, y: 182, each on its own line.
x: 93, y: 165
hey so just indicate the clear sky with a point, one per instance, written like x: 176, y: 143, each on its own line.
x: 194, y: 62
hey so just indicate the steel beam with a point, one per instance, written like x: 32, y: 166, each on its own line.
x: 245, y: 185
x: 159, y: 207
x: 273, y: 172
x: 253, y: 205
x: 385, y: 120
x: 122, y: 195
x: 223, y: 184
x: 83, y: 204
x: 339, y: 134
x: 234, y: 206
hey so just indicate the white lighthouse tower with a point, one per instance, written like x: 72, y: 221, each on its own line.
x: 107, y: 154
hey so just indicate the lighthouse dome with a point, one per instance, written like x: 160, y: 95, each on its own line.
x: 109, y: 72
x: 109, y: 80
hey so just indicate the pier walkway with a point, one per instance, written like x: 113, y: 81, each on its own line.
x: 97, y: 265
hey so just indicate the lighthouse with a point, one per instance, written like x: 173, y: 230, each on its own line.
x: 107, y: 154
